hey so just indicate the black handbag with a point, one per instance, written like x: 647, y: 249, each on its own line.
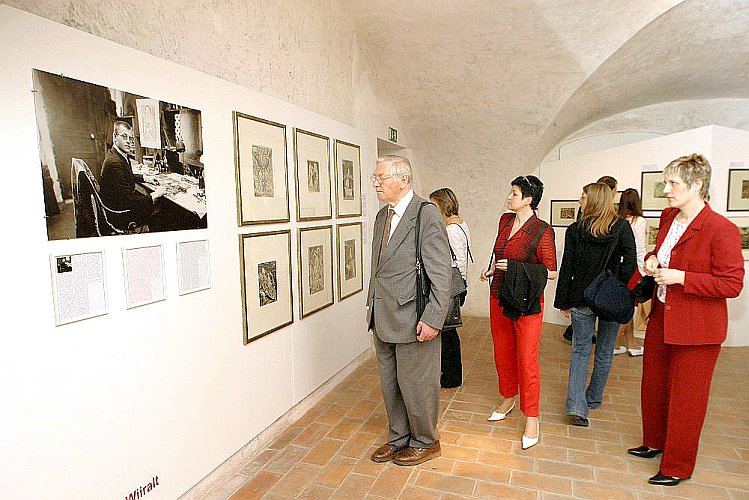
x: 423, y: 284
x: 458, y: 292
x: 643, y: 290
x: 608, y: 297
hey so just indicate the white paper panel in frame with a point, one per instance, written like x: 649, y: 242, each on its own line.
x: 193, y: 266
x: 312, y: 167
x: 743, y: 224
x: 261, y: 170
x: 651, y: 232
x: 265, y: 264
x: 738, y: 190
x: 349, y: 243
x: 315, y: 269
x: 144, y: 275
x: 563, y: 212
x: 347, y: 179
x: 78, y: 287
x: 651, y: 191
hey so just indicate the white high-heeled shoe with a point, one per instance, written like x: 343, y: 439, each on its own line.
x: 529, y: 442
x: 495, y: 416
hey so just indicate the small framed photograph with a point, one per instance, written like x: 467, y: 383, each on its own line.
x: 261, y: 170
x: 315, y: 269
x: 350, y: 281
x: 563, y: 212
x: 743, y: 224
x: 652, y: 224
x: 651, y: 191
x: 738, y: 190
x: 144, y: 275
x: 347, y: 179
x: 312, y: 167
x: 265, y: 271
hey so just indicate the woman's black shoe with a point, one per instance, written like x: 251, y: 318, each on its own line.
x: 579, y: 421
x: 644, y: 452
x: 662, y: 480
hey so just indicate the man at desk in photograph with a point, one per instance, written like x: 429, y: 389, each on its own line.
x: 117, y: 184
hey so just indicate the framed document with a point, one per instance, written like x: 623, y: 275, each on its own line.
x: 738, y: 190
x: 261, y: 170
x: 315, y: 269
x: 144, y: 275
x: 563, y: 212
x: 651, y: 191
x: 193, y: 265
x: 312, y: 168
x: 78, y: 287
x: 265, y: 270
x: 349, y: 243
x: 743, y: 224
x: 652, y: 225
x: 347, y: 179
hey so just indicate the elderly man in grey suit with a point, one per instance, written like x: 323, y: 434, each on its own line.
x: 407, y: 347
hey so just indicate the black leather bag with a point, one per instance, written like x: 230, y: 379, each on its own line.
x: 608, y: 297
x: 458, y: 292
x: 643, y: 290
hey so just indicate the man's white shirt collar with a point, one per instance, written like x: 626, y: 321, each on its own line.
x: 400, y: 207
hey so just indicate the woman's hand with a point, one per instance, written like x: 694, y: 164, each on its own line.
x: 501, y: 265
x: 651, y: 265
x: 486, y: 274
x: 565, y: 312
x: 665, y: 276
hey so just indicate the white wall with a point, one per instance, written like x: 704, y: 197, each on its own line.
x: 564, y: 179
x: 96, y: 408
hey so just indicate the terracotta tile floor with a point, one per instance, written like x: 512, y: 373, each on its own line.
x: 325, y: 454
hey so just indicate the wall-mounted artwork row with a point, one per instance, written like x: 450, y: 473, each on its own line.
x: 350, y: 279
x: 261, y: 170
x: 347, y: 179
x: 116, y: 163
x: 265, y: 270
x: 315, y: 269
x: 312, y: 158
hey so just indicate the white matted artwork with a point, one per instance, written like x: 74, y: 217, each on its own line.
x: 563, y: 212
x: 193, y: 266
x: 738, y: 190
x: 743, y: 224
x: 312, y: 167
x: 144, y: 275
x: 350, y: 280
x: 347, y: 179
x: 315, y: 269
x: 78, y: 287
x: 265, y: 265
x: 261, y: 170
x: 651, y: 191
x: 652, y: 224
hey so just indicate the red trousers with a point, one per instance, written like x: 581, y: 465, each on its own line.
x: 674, y: 393
x: 516, y: 356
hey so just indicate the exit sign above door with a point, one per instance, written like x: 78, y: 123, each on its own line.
x: 393, y: 135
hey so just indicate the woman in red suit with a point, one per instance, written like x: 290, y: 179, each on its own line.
x: 697, y: 264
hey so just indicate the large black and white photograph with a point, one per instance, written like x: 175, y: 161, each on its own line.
x: 265, y: 269
x: 738, y: 190
x: 116, y: 163
x: 315, y: 269
x: 312, y: 160
x: 261, y: 170
x: 348, y: 179
x: 349, y: 247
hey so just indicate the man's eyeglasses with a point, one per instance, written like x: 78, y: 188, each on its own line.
x: 125, y: 136
x: 379, y: 178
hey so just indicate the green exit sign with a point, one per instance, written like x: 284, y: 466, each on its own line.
x: 393, y: 135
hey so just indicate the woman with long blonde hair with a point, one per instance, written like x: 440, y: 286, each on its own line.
x: 599, y: 240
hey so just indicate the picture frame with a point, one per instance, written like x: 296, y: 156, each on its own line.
x: 347, y: 179
x: 193, y: 266
x: 563, y: 212
x: 143, y: 269
x: 743, y: 224
x: 79, y: 288
x: 617, y: 198
x: 315, y: 260
x: 350, y: 264
x: 261, y: 170
x: 652, y: 224
x: 651, y: 191
x: 312, y: 173
x: 265, y: 274
x: 738, y: 190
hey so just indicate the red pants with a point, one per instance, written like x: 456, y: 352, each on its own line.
x: 516, y: 355
x: 675, y: 389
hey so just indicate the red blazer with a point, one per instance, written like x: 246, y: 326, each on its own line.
x: 710, y: 254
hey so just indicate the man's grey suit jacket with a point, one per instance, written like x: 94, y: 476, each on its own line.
x: 392, y: 284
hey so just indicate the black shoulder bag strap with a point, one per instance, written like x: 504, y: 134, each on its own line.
x: 423, y: 286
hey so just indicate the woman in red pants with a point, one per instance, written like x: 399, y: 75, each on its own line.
x: 523, y: 239
x: 697, y: 264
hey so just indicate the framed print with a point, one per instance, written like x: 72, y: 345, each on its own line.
x: 347, y: 179
x: 193, y: 266
x: 738, y: 190
x: 144, y: 275
x: 265, y: 271
x: 315, y: 269
x: 743, y: 224
x: 651, y: 191
x: 349, y: 243
x: 617, y: 197
x: 651, y: 232
x: 261, y: 170
x: 563, y: 212
x: 78, y: 287
x: 312, y: 168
